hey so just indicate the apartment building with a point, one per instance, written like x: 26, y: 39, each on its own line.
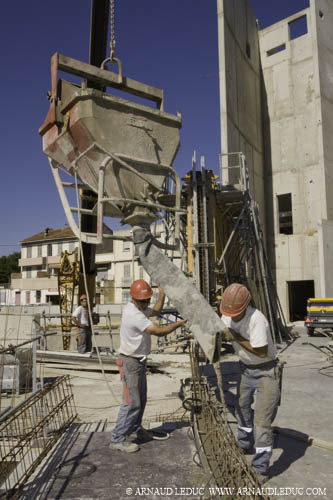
x: 37, y: 283
x: 116, y: 267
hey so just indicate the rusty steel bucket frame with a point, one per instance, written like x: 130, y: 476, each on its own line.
x: 93, y: 136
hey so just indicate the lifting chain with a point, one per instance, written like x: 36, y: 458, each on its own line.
x: 112, y: 31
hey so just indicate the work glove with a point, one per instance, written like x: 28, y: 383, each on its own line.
x: 229, y: 335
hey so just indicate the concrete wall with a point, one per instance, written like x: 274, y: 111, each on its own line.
x: 294, y: 135
x: 277, y: 107
x: 240, y: 90
x: 17, y: 325
x: 322, y: 19
x: 326, y: 257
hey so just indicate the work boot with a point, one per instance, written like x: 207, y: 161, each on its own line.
x: 144, y: 434
x: 125, y: 445
x: 247, y: 451
x: 263, y: 478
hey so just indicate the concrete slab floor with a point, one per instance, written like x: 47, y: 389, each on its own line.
x: 86, y: 468
x: 306, y: 409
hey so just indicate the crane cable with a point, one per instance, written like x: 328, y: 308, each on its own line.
x: 112, y: 31
x: 88, y: 297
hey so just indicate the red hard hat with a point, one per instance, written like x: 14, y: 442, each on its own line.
x: 140, y: 290
x: 83, y: 297
x: 235, y: 300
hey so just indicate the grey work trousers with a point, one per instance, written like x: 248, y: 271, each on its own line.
x: 133, y: 375
x: 83, y: 339
x: 255, y: 426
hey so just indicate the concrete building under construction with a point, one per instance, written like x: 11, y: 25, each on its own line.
x: 276, y: 103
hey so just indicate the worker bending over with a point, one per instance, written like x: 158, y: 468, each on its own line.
x: 135, y: 342
x: 252, y: 341
x: 81, y: 319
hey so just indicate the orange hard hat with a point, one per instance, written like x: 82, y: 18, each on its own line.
x: 140, y: 290
x: 83, y: 297
x: 235, y: 300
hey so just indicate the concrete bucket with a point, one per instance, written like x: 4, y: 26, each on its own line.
x: 123, y: 152
x: 88, y: 129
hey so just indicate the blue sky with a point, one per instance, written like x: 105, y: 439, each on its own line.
x: 168, y: 44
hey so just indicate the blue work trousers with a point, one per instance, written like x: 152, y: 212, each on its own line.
x: 133, y: 375
x: 255, y: 425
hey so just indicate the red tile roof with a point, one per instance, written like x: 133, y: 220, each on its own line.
x: 51, y: 234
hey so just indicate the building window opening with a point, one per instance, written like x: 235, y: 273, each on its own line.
x: 125, y: 297
x: 39, y: 250
x: 126, y: 246
x: 52, y: 300
x: 29, y: 252
x: 248, y: 50
x: 38, y: 296
x: 49, y: 250
x: 298, y: 27
x: 102, y: 272
x: 298, y: 293
x: 127, y: 270
x: 285, y: 214
x: 275, y: 50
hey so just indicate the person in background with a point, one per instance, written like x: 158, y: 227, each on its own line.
x: 81, y: 320
x: 136, y: 330
x: 259, y: 374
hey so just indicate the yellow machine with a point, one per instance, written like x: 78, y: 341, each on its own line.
x: 319, y: 314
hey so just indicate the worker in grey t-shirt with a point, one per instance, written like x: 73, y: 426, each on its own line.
x: 252, y: 340
x: 81, y: 320
x: 135, y: 336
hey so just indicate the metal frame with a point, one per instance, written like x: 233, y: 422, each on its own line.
x: 110, y: 157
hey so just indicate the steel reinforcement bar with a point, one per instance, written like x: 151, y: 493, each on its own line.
x: 28, y: 432
x: 227, y: 471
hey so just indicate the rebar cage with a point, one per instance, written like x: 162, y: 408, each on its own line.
x: 28, y: 432
x: 226, y: 468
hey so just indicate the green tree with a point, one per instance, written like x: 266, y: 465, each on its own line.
x: 8, y: 265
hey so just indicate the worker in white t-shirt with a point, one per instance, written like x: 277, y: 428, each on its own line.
x: 260, y: 375
x: 81, y: 319
x: 135, y: 341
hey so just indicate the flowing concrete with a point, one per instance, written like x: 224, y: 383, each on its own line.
x: 203, y: 321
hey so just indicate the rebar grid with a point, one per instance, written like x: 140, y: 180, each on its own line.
x: 225, y: 465
x: 29, y: 431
